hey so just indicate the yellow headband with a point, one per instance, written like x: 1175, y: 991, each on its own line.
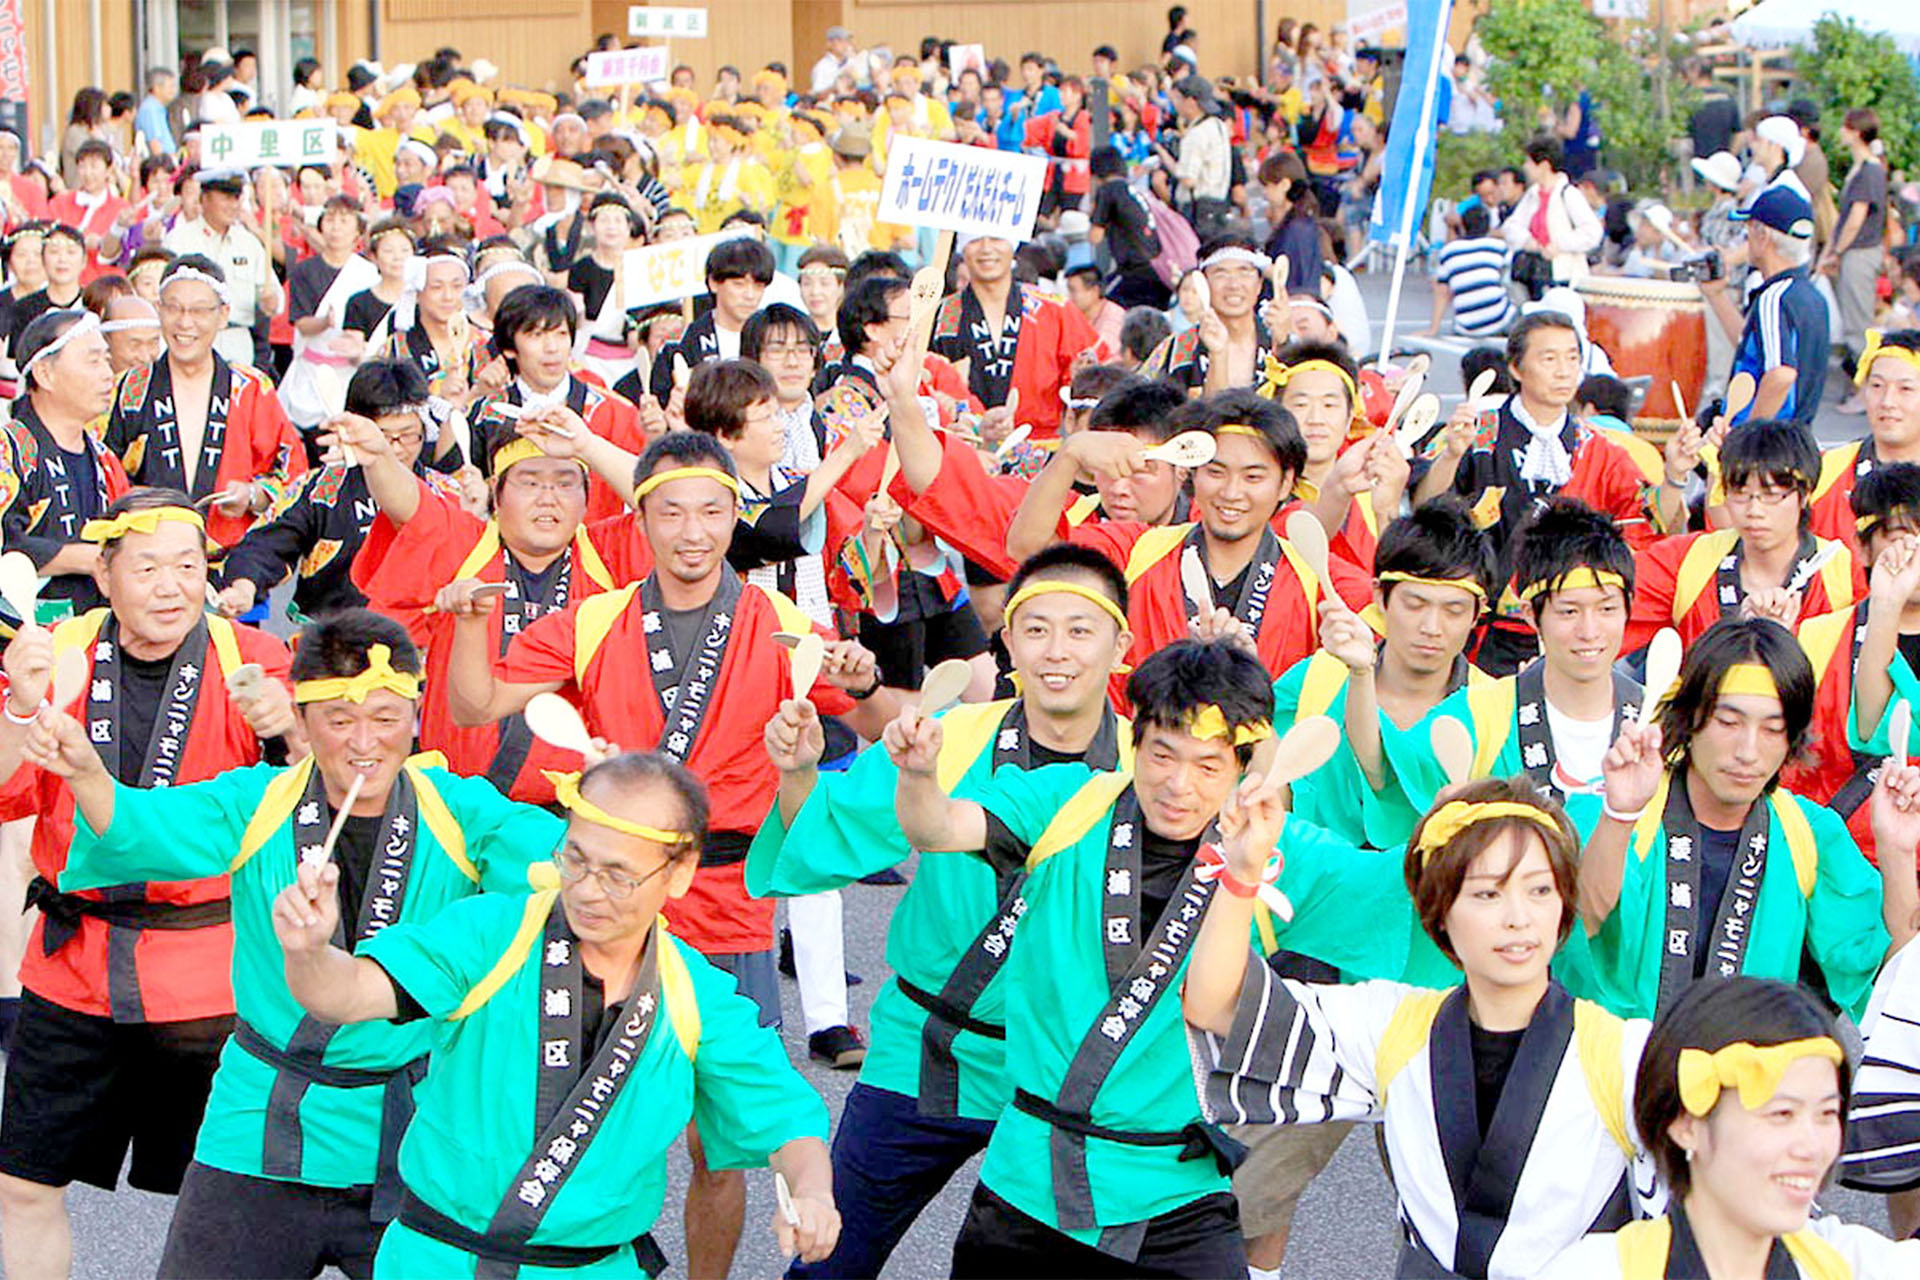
x: 1875, y: 349
x: 1455, y: 816
x: 1054, y: 587
x: 1750, y: 678
x: 1211, y: 722
x: 1463, y: 584
x: 1752, y: 1070
x: 566, y: 789
x: 138, y: 522
x: 1240, y: 429
x: 1574, y: 580
x: 378, y: 675
x: 659, y: 478
x: 1867, y: 524
x: 520, y: 449
x: 1279, y: 375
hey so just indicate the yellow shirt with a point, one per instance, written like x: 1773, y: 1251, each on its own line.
x: 801, y: 180
x: 715, y: 192
x: 846, y: 214
x: 375, y: 151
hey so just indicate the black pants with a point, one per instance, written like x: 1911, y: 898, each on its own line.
x: 1199, y: 1240
x: 1142, y: 288
x: 229, y: 1226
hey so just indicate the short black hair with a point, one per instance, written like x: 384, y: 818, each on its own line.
x: 67, y: 231
x: 1437, y: 539
x: 1521, y: 335
x: 876, y: 262
x: 683, y: 449
x: 138, y: 498
x: 1708, y: 1016
x: 738, y: 257
x: 866, y: 305
x: 1544, y: 148
x: 1142, y: 406
x: 771, y: 319
x: 1726, y: 642
x: 1482, y: 358
x: 1066, y: 558
x: 1142, y: 330
x: 381, y: 387
x: 1890, y: 490
x: 1607, y: 394
x: 1565, y: 534
x: 1246, y: 407
x: 1771, y: 451
x: 336, y: 644
x: 97, y: 148
x: 1228, y: 240
x: 529, y: 308
x: 1475, y: 222
x: 1175, y: 682
x: 1087, y: 272
x: 1333, y: 353
x: 1107, y: 162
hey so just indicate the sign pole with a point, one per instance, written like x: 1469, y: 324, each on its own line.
x: 1422, y: 139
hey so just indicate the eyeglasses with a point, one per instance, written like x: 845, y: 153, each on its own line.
x: 615, y: 884
x: 1767, y: 496
x: 566, y: 485
x: 786, y: 351
x: 202, y: 314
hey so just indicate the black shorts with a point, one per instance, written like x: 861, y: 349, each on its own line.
x: 905, y: 650
x: 1200, y: 1238
x: 81, y: 1089
x: 232, y: 1226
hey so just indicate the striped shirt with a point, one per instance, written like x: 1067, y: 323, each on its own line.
x: 1476, y: 272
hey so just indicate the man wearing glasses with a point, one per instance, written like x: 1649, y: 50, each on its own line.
x: 194, y: 421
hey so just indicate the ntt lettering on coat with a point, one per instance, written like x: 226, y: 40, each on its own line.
x: 971, y: 190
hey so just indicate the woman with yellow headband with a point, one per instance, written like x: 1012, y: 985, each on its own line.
x: 732, y: 179
x: 552, y: 1159
x: 1702, y: 865
x: 296, y: 1158
x: 1503, y: 1099
x: 1741, y: 1096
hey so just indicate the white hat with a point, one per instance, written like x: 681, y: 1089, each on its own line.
x: 1782, y: 132
x: 484, y: 71
x: 1720, y: 169
x: 1074, y: 224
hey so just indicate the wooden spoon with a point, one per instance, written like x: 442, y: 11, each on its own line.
x: 1012, y: 441
x: 1679, y: 402
x: 320, y: 857
x: 1663, y: 668
x: 1188, y: 449
x: 1309, y: 744
x: 1740, y: 392
x: 1482, y: 388
x: 555, y: 721
x: 807, y: 656
x: 944, y: 686
x: 1409, y: 392
x: 19, y: 584
x: 1420, y: 417
x: 1304, y: 531
x: 245, y: 681
x: 70, y: 677
x: 1900, y: 731
x: 1453, y: 748
x: 1279, y: 273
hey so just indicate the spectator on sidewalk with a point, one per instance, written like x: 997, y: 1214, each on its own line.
x: 1858, y: 247
x: 1470, y: 271
x: 1786, y: 319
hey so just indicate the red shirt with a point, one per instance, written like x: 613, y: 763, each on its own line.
x: 608, y: 680
x: 94, y: 223
x: 182, y: 973
x: 1676, y: 584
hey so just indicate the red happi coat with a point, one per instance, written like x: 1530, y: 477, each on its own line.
x: 596, y: 650
x: 1052, y: 334
x: 1674, y: 586
x: 182, y: 973
x: 1829, y: 764
x: 402, y: 568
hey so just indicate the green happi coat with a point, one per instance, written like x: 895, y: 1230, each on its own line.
x: 1059, y: 1002
x: 480, y: 971
x: 1906, y: 688
x: 846, y: 830
x: 1337, y: 795
x: 262, y: 1121
x: 1816, y: 894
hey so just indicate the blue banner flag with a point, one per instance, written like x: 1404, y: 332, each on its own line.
x: 1406, y: 174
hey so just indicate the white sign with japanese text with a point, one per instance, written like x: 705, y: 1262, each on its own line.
x: 975, y: 190
x: 272, y: 142
x: 628, y: 66
x: 668, y: 272
x: 649, y: 20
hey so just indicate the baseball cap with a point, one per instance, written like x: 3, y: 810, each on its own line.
x: 1783, y: 209
x: 1784, y: 133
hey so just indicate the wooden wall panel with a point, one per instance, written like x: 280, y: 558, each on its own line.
x: 531, y: 42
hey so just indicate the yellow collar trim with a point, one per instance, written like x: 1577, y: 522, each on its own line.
x: 378, y: 675
x: 147, y: 521
x: 1211, y: 722
x: 659, y: 478
x: 1455, y: 816
x: 566, y: 789
x: 1754, y: 1071
x: 1875, y: 350
x: 1573, y: 580
x: 1749, y: 678
x: 1048, y: 587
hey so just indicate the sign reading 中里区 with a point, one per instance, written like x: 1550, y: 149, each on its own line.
x: 651, y: 20
x: 973, y: 190
x: 274, y: 142
x: 668, y: 272
x: 628, y: 66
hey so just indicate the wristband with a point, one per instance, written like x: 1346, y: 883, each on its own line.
x: 6, y: 709
x: 1213, y: 866
x: 869, y: 691
x: 1608, y: 811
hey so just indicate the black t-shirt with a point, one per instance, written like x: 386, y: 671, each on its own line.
x: 307, y: 283
x: 1040, y: 755
x: 1713, y: 124
x: 359, y: 837
x: 1910, y: 650
x: 142, y: 692
x: 1130, y: 238
x: 592, y: 282
x: 1227, y: 594
x: 1162, y: 863
x: 365, y: 311
x: 1493, y: 1055
x: 36, y: 304
x: 1717, y: 854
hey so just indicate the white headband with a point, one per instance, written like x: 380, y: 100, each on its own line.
x: 513, y: 121
x: 1311, y: 302
x: 88, y: 323
x: 1234, y: 253
x: 427, y: 154
x: 138, y: 322
x: 192, y: 273
x: 502, y: 268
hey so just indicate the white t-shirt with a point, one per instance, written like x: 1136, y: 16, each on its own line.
x: 1578, y: 747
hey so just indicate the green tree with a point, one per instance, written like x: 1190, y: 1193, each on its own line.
x: 1545, y: 51
x: 1848, y: 68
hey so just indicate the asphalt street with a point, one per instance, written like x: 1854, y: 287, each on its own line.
x: 1345, y: 1229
